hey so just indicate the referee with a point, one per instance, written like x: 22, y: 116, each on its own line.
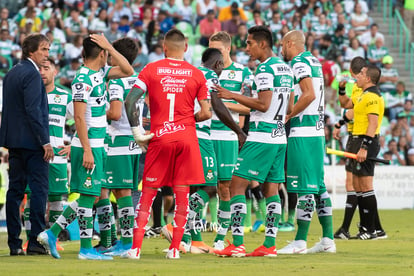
x: 368, y: 112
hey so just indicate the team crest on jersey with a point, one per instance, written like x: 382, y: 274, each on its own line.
x: 88, y: 183
x: 57, y: 99
x: 231, y: 75
x: 209, y: 175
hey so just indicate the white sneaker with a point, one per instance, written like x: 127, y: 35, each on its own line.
x: 325, y: 245
x: 132, y: 254
x: 295, y: 247
x: 185, y: 247
x: 218, y: 245
x: 173, y: 254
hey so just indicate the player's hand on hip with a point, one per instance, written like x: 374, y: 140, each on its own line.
x: 336, y: 133
x: 139, y: 135
x: 65, y: 151
x: 88, y: 160
x: 362, y: 155
x: 49, y: 154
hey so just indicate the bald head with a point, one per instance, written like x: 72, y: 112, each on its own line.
x: 297, y: 37
x: 293, y: 43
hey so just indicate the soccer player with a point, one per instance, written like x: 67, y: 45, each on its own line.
x: 87, y: 148
x: 306, y: 147
x: 368, y: 112
x: 262, y: 157
x: 224, y: 139
x: 60, y: 105
x: 173, y: 156
x: 212, y: 65
x: 122, y: 163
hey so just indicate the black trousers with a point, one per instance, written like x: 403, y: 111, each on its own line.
x: 26, y: 167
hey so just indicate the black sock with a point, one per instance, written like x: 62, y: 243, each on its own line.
x: 370, y: 206
x: 292, y: 201
x: 156, y: 210
x: 361, y: 209
x: 282, y: 200
x: 257, y: 192
x: 350, y: 206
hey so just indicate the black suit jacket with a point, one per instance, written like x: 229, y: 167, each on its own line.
x: 24, y: 122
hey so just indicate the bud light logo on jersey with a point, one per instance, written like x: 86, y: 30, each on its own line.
x: 174, y: 72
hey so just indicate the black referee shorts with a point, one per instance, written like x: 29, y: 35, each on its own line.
x: 365, y: 168
x: 348, y: 165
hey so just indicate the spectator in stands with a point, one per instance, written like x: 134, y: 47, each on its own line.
x: 273, y: 8
x: 288, y: 8
x: 349, y: 6
x: 410, y: 157
x: 389, y: 75
x: 58, y: 34
x: 329, y: 50
x: 55, y: 48
x: 310, y: 42
x: 333, y: 15
x: 8, y: 22
x: 157, y: 53
x: 74, y: 50
x: 208, y: 26
x: 407, y: 111
x: 141, y: 60
x: 99, y: 24
x: 186, y: 12
x: 314, y: 16
x: 75, y: 24
x: 68, y: 72
x: 369, y: 38
x: 166, y: 22
x: 93, y: 10
x: 203, y: 7
x: 6, y: 49
x: 113, y: 33
x: 257, y: 19
x: 409, y: 16
x: 231, y: 26
x: 32, y: 18
x: 339, y: 38
x: 171, y: 10
x: 139, y: 34
x: 239, y: 40
x: 155, y: 35
x: 396, y: 99
x: 124, y: 26
x: 359, y: 20
x: 377, y: 52
x: 354, y: 50
x: 118, y: 10
x: 397, y: 157
x: 342, y: 19
x: 275, y: 24
x: 226, y: 13
x: 29, y: 4
x: 145, y: 10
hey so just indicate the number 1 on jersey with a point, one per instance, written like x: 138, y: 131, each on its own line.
x: 171, y: 98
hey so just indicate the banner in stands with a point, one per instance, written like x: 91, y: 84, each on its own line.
x: 393, y: 185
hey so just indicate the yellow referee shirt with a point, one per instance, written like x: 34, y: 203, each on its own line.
x: 369, y: 102
x: 356, y: 92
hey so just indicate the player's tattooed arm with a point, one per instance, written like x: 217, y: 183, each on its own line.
x: 132, y: 111
x: 205, y: 112
x: 224, y: 115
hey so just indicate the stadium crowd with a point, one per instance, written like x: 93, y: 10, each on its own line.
x: 336, y: 32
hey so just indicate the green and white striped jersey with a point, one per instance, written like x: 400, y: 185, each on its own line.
x: 60, y: 105
x: 310, y: 122
x: 118, y: 90
x: 89, y: 86
x: 269, y: 127
x: 203, y: 128
x: 232, y: 79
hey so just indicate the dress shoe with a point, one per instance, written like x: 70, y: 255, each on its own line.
x: 36, y: 250
x: 17, y: 252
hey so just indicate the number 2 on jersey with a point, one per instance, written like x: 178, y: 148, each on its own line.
x: 171, y: 98
x: 282, y: 101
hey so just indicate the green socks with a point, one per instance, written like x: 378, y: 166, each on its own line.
x: 305, y: 208
x: 104, y: 211
x: 324, y: 210
x: 126, y: 218
x: 55, y: 208
x: 66, y: 218
x: 273, y: 214
x: 223, y: 220
x: 85, y: 219
x: 238, y: 214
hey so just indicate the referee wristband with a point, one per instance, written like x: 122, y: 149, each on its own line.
x: 345, y: 118
x: 341, y: 91
x: 340, y: 123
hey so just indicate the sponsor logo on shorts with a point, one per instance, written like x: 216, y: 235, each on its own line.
x: 129, y: 181
x: 253, y: 172
x: 312, y: 186
x: 133, y: 146
x: 110, y: 179
x: 294, y: 183
x: 151, y: 179
x: 61, y: 179
x: 226, y: 165
x: 169, y: 128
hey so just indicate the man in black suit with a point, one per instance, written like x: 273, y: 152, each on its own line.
x: 25, y: 132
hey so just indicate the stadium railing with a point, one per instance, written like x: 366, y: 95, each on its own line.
x: 401, y: 34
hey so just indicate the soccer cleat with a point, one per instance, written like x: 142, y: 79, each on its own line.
x: 287, y: 227
x: 48, y: 240
x: 59, y: 247
x: 102, y: 249
x: 173, y: 253
x: 218, y: 245
x: 119, y: 249
x: 256, y: 225
x: 153, y: 232
x: 263, y: 251
x: 167, y: 232
x: 132, y: 253
x: 25, y: 246
x: 232, y: 251
x: 381, y: 234
x: 184, y: 247
x: 92, y: 254
x: 326, y: 245
x: 199, y: 247
x: 295, y: 247
x: 342, y: 234
x: 365, y: 235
